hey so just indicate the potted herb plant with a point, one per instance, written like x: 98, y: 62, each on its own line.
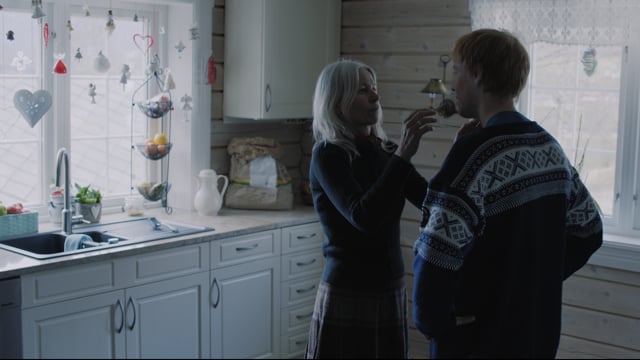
x: 88, y: 203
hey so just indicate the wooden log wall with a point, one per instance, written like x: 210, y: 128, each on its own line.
x: 403, y: 40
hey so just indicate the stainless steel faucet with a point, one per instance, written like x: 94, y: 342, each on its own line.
x: 67, y: 212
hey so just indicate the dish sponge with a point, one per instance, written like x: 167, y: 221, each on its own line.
x: 75, y: 241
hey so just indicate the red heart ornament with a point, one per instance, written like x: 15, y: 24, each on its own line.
x: 145, y: 41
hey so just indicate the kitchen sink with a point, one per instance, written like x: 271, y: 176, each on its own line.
x: 51, y: 244
x: 43, y: 245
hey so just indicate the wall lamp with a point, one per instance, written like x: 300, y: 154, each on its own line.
x: 437, y: 87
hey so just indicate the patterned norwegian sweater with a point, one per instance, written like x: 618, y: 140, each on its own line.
x: 505, y: 221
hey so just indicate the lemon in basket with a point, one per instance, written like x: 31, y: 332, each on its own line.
x: 160, y: 139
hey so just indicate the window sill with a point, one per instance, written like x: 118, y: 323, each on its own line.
x: 618, y: 252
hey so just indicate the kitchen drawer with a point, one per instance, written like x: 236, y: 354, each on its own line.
x: 71, y: 282
x: 240, y: 249
x: 294, y: 345
x: 301, y: 264
x: 296, y: 318
x: 301, y: 237
x: 164, y: 264
x: 298, y: 291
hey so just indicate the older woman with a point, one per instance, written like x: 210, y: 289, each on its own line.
x: 360, y: 181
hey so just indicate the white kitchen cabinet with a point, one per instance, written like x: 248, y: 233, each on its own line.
x: 274, y: 52
x: 156, y: 311
x: 244, y: 310
x: 245, y: 296
x: 88, y: 327
x: 158, y: 320
x: 165, y: 319
x: 248, y: 296
x: 301, y: 268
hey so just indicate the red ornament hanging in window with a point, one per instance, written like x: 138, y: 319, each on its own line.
x: 211, y: 73
x: 60, y: 67
x: 45, y: 34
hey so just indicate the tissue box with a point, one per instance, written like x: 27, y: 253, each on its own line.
x: 18, y: 224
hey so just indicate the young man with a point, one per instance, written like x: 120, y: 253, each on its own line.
x: 505, y: 221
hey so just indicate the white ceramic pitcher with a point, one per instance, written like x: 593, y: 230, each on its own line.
x: 208, y: 200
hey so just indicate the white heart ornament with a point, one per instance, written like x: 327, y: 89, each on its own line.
x: 32, y: 106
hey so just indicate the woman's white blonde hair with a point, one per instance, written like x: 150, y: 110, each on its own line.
x: 336, y: 89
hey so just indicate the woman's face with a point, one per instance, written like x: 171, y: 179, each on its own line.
x: 365, y: 108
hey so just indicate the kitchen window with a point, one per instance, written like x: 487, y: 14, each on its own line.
x: 93, y: 112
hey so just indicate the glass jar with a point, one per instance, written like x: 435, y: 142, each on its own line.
x: 134, y: 205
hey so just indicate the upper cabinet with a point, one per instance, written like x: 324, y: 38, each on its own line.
x: 274, y: 52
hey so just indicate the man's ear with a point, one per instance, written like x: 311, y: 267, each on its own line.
x: 478, y: 78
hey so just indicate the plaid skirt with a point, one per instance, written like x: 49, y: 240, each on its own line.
x: 353, y: 324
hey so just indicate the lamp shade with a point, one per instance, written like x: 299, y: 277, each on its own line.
x: 435, y: 86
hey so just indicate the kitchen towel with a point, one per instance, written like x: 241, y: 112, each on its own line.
x: 75, y: 241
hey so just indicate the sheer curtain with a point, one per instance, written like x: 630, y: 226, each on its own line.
x: 567, y: 22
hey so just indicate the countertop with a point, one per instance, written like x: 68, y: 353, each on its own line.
x: 228, y: 222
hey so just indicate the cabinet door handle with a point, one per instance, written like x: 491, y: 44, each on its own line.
x: 133, y: 306
x: 215, y: 285
x: 302, y: 291
x: 267, y: 98
x: 246, y: 248
x: 300, y: 317
x: 119, y: 305
x: 301, y: 342
x: 306, y: 263
x: 304, y: 237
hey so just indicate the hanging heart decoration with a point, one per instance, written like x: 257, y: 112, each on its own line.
x: 32, y: 106
x: 143, y: 42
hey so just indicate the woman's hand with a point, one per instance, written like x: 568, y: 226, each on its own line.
x: 472, y: 126
x: 416, y: 125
